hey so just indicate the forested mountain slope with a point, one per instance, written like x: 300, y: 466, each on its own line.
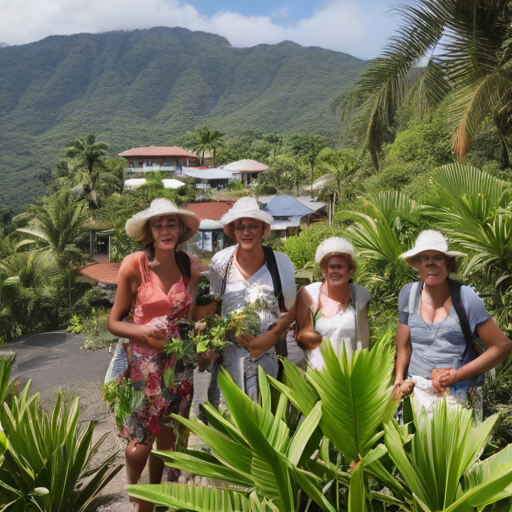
x: 148, y: 87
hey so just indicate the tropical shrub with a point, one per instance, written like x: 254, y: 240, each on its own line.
x: 344, y: 452
x: 473, y: 208
x: 387, y: 230
x: 46, y: 461
x: 301, y: 249
x: 235, y: 185
x: 94, y: 328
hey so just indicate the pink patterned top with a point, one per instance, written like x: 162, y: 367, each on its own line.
x: 151, y: 301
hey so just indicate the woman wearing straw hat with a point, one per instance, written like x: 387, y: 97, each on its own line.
x: 437, y: 321
x: 334, y: 309
x: 245, y: 270
x: 157, y: 281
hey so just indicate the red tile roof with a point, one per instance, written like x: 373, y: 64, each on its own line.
x: 213, y: 210
x: 103, y: 272
x: 160, y: 151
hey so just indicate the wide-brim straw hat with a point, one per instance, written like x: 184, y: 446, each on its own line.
x: 246, y: 208
x: 335, y: 246
x: 429, y: 240
x: 136, y: 227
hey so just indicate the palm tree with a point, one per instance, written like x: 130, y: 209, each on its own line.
x: 308, y: 147
x: 216, y: 142
x: 27, y: 297
x: 54, y: 232
x: 340, y: 168
x: 285, y: 173
x: 88, y: 173
x: 473, y: 209
x: 387, y: 230
x: 203, y: 139
x: 468, y: 47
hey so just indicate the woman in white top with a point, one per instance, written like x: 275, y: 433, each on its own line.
x: 335, y: 309
x: 240, y: 274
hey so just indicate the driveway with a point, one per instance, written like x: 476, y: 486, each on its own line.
x: 54, y: 359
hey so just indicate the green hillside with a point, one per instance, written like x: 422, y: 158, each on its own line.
x: 148, y: 87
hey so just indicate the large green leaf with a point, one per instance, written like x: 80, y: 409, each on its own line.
x: 200, y: 499
x: 354, y: 391
x: 203, y: 464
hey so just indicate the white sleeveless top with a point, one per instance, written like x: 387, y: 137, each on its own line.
x: 341, y: 328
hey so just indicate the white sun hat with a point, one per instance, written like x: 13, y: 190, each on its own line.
x: 335, y: 245
x: 245, y: 208
x: 136, y: 226
x: 429, y: 240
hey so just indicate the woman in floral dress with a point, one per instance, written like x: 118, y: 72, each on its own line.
x: 157, y: 282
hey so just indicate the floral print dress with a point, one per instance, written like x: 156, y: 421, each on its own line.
x: 161, y: 384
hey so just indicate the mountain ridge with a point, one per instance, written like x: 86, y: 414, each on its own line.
x: 142, y: 87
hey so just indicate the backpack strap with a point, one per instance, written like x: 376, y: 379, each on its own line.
x: 461, y: 313
x: 270, y: 260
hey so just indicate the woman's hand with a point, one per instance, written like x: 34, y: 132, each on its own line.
x: 153, y: 336
x: 402, y: 388
x: 444, y: 377
x: 257, y: 345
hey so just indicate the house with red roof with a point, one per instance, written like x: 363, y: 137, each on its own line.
x: 157, y: 159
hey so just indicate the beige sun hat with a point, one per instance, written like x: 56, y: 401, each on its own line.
x: 136, y: 226
x: 335, y: 245
x: 245, y: 208
x: 429, y: 240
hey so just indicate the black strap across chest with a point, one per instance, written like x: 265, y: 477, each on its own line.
x: 270, y: 261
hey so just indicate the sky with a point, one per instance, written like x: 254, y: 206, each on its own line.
x: 359, y: 28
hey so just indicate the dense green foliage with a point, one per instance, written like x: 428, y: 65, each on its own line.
x: 468, y: 50
x: 346, y: 453
x: 46, y: 460
x: 148, y: 87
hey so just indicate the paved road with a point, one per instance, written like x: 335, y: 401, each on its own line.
x: 54, y: 359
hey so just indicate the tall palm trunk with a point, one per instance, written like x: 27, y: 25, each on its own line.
x: 69, y: 292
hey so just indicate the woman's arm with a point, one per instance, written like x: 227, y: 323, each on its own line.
x: 307, y: 338
x: 498, y: 347
x: 145, y: 336
x: 403, y: 352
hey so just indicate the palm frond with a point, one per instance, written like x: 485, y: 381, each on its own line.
x: 355, y: 397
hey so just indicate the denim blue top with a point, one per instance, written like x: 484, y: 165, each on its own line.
x: 439, y: 344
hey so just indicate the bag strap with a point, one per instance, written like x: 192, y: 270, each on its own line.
x: 455, y: 287
x: 225, y: 277
x: 270, y: 260
x: 183, y: 262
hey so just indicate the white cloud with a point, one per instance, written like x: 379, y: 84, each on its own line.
x: 337, y: 25
x: 281, y: 14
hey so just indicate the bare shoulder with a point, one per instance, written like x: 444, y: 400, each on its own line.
x: 130, y: 266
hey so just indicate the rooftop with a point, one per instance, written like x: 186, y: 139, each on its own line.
x: 103, y: 272
x: 286, y: 206
x: 212, y: 210
x: 158, y: 151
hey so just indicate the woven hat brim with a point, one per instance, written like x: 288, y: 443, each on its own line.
x: 136, y: 226
x: 410, y: 256
x: 229, y: 218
